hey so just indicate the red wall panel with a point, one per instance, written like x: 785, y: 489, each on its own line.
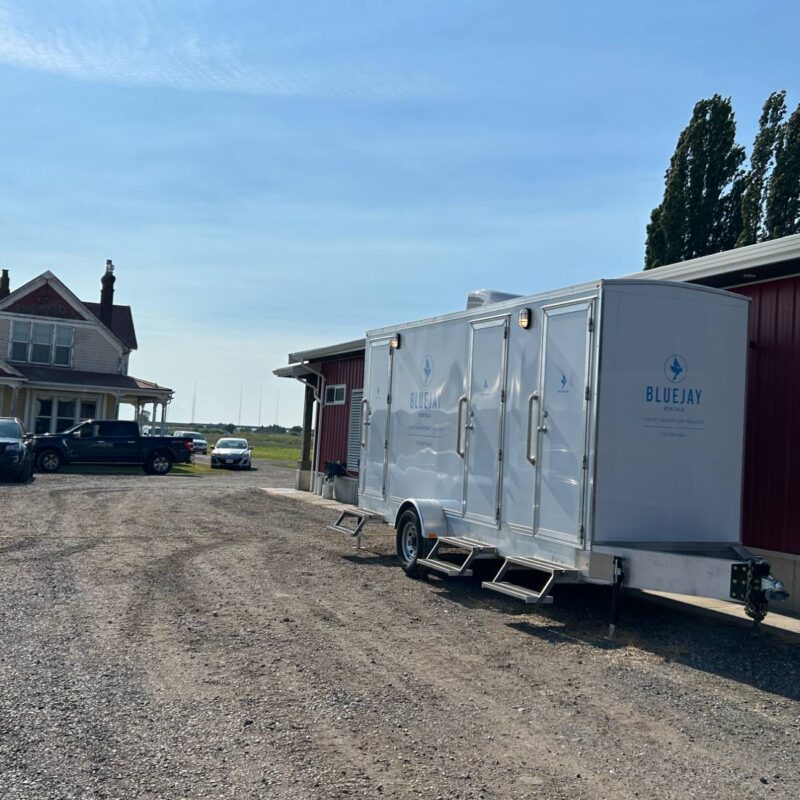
x: 336, y: 419
x: 771, y: 507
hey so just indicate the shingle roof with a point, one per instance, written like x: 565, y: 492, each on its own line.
x: 103, y: 380
x: 121, y: 323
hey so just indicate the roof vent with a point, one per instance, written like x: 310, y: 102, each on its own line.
x: 486, y: 297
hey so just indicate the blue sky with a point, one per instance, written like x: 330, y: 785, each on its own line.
x: 270, y: 176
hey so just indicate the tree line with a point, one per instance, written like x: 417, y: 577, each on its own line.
x: 712, y: 201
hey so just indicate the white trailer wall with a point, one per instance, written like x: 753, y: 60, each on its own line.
x: 671, y: 410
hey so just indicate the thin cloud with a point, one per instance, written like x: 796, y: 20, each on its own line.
x: 126, y: 45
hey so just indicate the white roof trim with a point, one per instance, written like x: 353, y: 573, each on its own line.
x: 72, y: 300
x: 741, y: 258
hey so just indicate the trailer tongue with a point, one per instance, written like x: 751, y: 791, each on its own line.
x: 588, y: 435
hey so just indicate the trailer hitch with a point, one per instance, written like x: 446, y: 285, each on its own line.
x: 752, y: 584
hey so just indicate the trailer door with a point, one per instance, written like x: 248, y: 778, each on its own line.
x: 375, y: 419
x: 563, y: 417
x: 483, y: 421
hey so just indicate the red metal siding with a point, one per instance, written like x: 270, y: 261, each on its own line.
x: 335, y: 419
x: 771, y: 508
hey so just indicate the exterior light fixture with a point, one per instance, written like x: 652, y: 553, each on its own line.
x: 395, y: 342
x: 525, y: 318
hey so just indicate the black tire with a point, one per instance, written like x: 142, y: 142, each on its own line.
x: 159, y: 463
x: 49, y: 461
x: 410, y: 544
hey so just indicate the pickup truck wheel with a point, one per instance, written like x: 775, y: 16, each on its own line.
x: 411, y: 545
x: 158, y: 464
x: 49, y: 461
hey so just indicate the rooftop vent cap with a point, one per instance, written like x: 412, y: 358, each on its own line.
x: 486, y: 297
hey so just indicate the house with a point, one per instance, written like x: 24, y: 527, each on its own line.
x: 63, y: 360
x: 334, y: 381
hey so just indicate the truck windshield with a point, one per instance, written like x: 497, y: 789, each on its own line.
x: 9, y: 429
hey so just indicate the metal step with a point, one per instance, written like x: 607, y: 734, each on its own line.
x: 474, y: 548
x: 467, y: 544
x: 356, y: 515
x: 554, y: 573
x: 520, y: 592
x: 445, y: 567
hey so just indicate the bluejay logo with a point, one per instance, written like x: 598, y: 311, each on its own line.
x: 427, y: 370
x: 675, y: 371
x: 563, y: 381
x: 675, y: 368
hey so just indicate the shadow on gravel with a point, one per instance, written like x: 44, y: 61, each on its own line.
x: 371, y: 560
x: 580, y: 614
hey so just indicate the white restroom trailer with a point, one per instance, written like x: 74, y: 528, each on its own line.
x: 591, y: 434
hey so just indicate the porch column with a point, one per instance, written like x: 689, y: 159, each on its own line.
x: 14, y: 393
x: 303, y: 478
x: 163, y: 417
x: 154, y: 418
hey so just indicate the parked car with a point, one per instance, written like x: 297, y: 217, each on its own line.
x: 200, y: 442
x: 16, y: 451
x: 111, y: 441
x: 233, y: 453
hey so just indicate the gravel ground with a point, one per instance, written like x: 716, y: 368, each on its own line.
x: 191, y: 637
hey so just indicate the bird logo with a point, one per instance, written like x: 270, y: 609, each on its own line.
x: 675, y: 368
x: 563, y: 381
x: 427, y: 370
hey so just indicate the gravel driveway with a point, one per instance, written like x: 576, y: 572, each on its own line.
x: 191, y: 637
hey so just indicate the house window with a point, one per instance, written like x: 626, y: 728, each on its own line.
x: 44, y: 415
x: 66, y: 414
x: 88, y: 409
x: 41, y: 343
x: 335, y: 395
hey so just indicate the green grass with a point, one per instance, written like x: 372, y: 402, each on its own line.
x: 282, y: 447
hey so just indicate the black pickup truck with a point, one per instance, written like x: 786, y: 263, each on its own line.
x: 112, y: 441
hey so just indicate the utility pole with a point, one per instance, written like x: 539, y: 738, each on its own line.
x: 194, y: 401
x: 277, y: 404
x: 260, y: 403
x: 241, y: 393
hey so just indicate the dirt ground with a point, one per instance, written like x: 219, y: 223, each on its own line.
x: 186, y: 637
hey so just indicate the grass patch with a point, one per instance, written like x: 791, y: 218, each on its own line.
x: 286, y: 455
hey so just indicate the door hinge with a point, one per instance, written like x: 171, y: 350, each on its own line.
x: 502, y: 395
x: 505, y: 331
x: 588, y: 394
x: 581, y: 528
x: 500, y: 454
x: 591, y: 324
x: 585, y: 462
x: 388, y: 399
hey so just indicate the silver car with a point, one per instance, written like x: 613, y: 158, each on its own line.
x: 234, y: 453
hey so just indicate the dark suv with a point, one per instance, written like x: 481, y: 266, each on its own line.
x: 16, y: 451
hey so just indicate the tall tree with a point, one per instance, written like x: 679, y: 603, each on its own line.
x: 762, y: 161
x: 782, y: 217
x: 701, y: 209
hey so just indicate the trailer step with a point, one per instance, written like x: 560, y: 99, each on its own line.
x: 519, y: 592
x: 475, y: 549
x: 551, y: 573
x: 360, y: 518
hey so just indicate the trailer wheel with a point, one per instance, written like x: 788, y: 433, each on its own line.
x: 410, y: 544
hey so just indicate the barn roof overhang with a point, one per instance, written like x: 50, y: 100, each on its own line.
x: 331, y: 352
x: 778, y: 258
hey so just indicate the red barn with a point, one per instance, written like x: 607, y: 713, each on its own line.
x: 334, y: 381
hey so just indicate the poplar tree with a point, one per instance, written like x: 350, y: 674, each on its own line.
x: 704, y: 184
x: 762, y: 163
x: 782, y: 216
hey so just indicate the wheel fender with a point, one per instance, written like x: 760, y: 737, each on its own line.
x: 431, y: 516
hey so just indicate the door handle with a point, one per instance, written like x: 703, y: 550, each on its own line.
x: 542, y: 428
x: 529, y: 455
x: 364, y: 421
x: 460, y: 448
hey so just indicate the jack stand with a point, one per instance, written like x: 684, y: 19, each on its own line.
x: 616, y: 591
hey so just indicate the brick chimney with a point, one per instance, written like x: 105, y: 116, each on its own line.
x: 5, y: 289
x: 107, y: 294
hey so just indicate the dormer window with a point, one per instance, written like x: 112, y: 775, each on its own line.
x: 41, y: 343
